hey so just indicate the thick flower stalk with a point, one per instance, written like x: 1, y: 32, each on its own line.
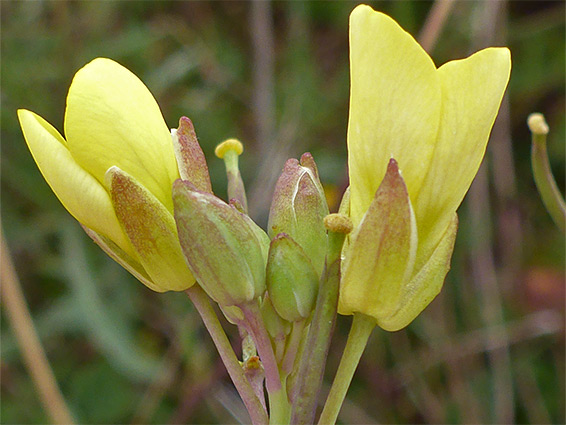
x: 435, y: 123
x: 115, y: 167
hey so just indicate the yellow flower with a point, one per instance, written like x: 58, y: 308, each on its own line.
x: 114, y: 171
x: 435, y: 123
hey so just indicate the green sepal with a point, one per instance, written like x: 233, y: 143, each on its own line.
x: 292, y: 282
x: 224, y: 248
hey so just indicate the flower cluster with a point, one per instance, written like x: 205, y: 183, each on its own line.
x: 416, y: 137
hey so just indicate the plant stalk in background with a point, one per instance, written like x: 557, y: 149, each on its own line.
x: 546, y: 185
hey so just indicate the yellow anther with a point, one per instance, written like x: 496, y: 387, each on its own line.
x: 229, y: 145
x: 537, y: 124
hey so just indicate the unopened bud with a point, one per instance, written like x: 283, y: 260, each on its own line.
x: 299, y: 207
x: 224, y: 248
x: 277, y: 327
x: 292, y: 282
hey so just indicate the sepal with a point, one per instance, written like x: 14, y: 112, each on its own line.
x: 190, y: 157
x: 425, y: 284
x: 121, y: 257
x: 150, y: 227
x: 380, y: 257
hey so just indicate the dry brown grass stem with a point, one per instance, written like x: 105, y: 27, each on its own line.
x: 434, y: 23
x: 484, y: 272
x: 32, y: 351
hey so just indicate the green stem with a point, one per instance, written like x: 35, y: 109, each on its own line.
x: 313, y: 361
x: 546, y: 185
x: 279, y: 407
x: 362, y: 326
x: 208, y: 315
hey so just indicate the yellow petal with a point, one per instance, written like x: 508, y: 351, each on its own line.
x: 472, y: 90
x: 80, y: 193
x: 394, y: 106
x: 152, y: 232
x: 381, y: 255
x: 113, y: 120
x: 425, y: 284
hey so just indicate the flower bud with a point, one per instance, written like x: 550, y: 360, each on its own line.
x: 292, y: 282
x: 224, y: 248
x: 277, y: 327
x: 299, y: 207
x: 232, y: 313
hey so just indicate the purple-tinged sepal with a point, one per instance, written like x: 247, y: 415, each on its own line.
x: 189, y: 155
x: 151, y: 230
x: 299, y: 207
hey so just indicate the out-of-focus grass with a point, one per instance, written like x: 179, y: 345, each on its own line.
x: 490, y: 348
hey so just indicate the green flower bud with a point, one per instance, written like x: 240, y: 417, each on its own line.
x: 299, y: 207
x: 224, y: 248
x: 232, y: 313
x: 277, y: 327
x: 292, y: 282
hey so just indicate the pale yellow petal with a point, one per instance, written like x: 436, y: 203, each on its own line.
x: 394, y: 106
x: 472, y: 90
x: 113, y: 120
x: 425, y: 285
x: 80, y: 193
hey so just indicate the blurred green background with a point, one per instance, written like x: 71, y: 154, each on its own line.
x: 489, y: 349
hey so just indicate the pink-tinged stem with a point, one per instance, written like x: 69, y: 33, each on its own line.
x: 200, y: 300
x: 257, y: 330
